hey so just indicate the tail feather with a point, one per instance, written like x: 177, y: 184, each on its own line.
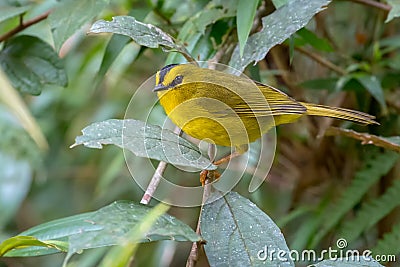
x: 339, y: 113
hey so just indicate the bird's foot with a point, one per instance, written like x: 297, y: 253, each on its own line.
x: 214, y: 175
x: 211, y: 176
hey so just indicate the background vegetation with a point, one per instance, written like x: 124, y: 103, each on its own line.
x: 325, y: 183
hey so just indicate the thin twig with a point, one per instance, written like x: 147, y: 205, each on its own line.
x: 194, y: 251
x: 322, y: 61
x: 365, y: 138
x: 372, y: 3
x: 22, y: 26
x: 155, y: 180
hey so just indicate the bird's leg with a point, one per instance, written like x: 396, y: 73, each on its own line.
x: 204, y: 174
x: 235, y: 154
x: 211, y: 175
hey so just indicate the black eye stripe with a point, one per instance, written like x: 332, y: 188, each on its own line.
x: 165, y: 70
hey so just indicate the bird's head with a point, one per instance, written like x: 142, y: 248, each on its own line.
x: 172, y: 75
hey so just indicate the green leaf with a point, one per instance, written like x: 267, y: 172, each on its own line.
x: 142, y: 33
x: 291, y: 49
x: 121, y: 256
x: 17, y: 242
x: 144, y: 140
x: 59, y: 230
x: 371, y: 212
x: 246, y: 12
x: 104, y: 227
x: 279, y: 3
x: 312, y: 39
x: 215, y: 10
x: 239, y: 233
x: 277, y: 27
x: 19, y: 157
x: 349, y: 262
x: 321, y: 84
x: 389, y: 44
x: 194, y: 32
x: 113, y: 49
x: 31, y: 63
x: 70, y: 15
x: 16, y: 142
x: 395, y: 11
x: 373, y: 85
x: 305, y: 232
x: 7, y: 12
x: 15, y: 182
x: 389, y: 244
x: 375, y: 166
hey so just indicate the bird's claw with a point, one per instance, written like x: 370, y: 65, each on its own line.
x: 208, y: 175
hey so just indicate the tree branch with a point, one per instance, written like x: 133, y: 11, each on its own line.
x: 194, y: 251
x: 365, y: 138
x: 23, y: 25
x: 155, y: 180
x: 373, y: 3
x: 322, y: 61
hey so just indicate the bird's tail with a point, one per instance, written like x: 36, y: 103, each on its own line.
x: 339, y: 113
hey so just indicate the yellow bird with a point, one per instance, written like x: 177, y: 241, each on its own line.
x: 233, y: 111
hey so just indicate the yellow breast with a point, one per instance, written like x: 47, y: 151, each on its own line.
x: 210, y: 117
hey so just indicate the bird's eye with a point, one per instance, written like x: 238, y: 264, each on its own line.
x: 178, y: 79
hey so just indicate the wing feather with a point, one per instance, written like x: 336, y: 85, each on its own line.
x: 276, y: 103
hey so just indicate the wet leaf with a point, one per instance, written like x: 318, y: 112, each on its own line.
x: 31, y: 63
x: 142, y: 33
x: 121, y: 255
x: 277, y: 27
x: 144, y: 140
x: 104, y: 227
x: 239, y: 233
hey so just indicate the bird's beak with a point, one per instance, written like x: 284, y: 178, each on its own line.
x: 160, y: 87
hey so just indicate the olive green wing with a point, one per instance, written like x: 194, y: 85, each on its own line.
x: 274, y: 103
